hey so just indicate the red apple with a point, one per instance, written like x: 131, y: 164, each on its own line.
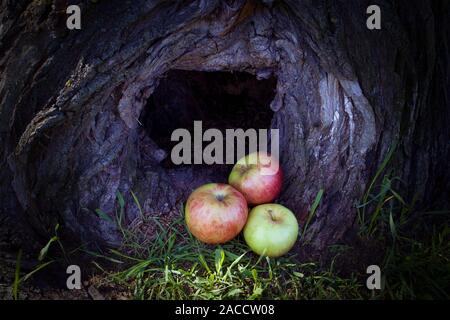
x: 258, y: 177
x: 216, y: 213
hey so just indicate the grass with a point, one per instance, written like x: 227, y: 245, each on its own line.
x: 312, y: 213
x: 417, y: 260
x: 174, y: 265
x: 418, y: 269
x: 369, y: 220
x: 19, y: 278
x: 177, y: 266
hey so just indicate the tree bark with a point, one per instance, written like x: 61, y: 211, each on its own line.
x: 70, y: 103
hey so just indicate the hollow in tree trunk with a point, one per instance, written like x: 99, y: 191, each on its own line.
x: 87, y: 113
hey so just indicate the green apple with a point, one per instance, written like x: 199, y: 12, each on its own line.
x: 271, y: 230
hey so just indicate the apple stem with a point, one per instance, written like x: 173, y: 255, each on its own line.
x: 243, y: 169
x: 271, y: 215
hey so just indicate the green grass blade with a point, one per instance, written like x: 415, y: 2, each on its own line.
x: 45, y: 249
x: 380, y: 170
x: 136, y: 201
x: 312, y: 211
x: 219, y: 258
x: 35, y: 270
x: 16, y: 283
x: 103, y: 215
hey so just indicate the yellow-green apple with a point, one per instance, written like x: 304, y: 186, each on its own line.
x: 271, y: 230
x: 216, y: 213
x: 258, y: 177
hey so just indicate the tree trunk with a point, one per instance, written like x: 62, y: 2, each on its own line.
x: 75, y: 115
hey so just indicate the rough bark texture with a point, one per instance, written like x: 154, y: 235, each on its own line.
x: 70, y: 103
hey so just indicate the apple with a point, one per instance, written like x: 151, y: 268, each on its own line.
x: 271, y: 230
x: 216, y: 213
x: 258, y: 177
